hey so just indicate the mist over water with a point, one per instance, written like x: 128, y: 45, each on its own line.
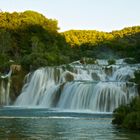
x: 98, y: 87
x: 5, y: 88
x: 72, y: 101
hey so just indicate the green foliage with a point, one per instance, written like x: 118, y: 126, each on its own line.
x: 4, y: 63
x: 130, y: 61
x: 128, y: 116
x: 132, y: 121
x: 91, y: 37
x: 111, y: 61
x: 136, y: 80
x: 32, y: 40
x: 125, y: 37
x: 5, y: 41
x: 34, y: 61
x: 120, y: 113
x: 123, y: 43
x: 88, y: 60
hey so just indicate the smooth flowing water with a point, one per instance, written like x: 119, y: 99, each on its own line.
x: 5, y: 88
x: 73, y: 101
x: 98, y: 87
x: 46, y: 124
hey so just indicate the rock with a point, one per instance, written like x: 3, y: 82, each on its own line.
x: 95, y: 77
x: 69, y: 76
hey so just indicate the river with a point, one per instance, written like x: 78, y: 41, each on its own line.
x: 52, y: 124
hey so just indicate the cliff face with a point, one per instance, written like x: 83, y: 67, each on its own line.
x: 17, y: 81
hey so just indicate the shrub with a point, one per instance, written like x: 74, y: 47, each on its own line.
x: 111, y: 61
x: 119, y: 114
x: 132, y: 121
x: 128, y: 116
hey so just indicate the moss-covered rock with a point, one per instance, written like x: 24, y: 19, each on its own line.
x: 69, y: 76
x: 111, y: 62
x: 17, y: 81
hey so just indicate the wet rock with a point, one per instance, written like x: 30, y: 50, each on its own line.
x: 95, y: 76
x: 69, y: 76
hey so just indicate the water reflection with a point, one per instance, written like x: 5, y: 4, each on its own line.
x: 58, y: 127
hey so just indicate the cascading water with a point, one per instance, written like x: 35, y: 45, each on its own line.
x: 97, y: 87
x: 5, y: 88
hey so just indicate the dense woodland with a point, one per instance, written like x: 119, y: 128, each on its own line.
x: 32, y: 41
x: 123, y: 43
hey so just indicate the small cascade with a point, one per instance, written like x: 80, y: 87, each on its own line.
x: 98, y: 87
x: 5, y: 88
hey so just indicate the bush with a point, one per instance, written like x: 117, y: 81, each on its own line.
x: 130, y: 61
x: 128, y: 116
x: 119, y: 114
x: 132, y: 121
x: 111, y: 61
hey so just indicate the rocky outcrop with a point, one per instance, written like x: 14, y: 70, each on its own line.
x: 17, y: 80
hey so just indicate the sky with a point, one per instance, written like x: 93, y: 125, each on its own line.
x: 102, y: 15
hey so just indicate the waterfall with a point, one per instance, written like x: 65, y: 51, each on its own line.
x: 5, y: 88
x: 98, y: 87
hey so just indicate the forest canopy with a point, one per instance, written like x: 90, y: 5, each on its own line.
x: 32, y: 40
x: 29, y: 38
x: 124, y: 43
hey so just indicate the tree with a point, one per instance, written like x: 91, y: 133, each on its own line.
x: 5, y: 41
